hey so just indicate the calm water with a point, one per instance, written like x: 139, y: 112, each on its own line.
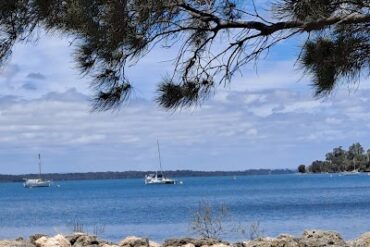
x: 281, y: 203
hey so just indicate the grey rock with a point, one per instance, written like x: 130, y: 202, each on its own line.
x: 195, y: 242
x: 133, y: 241
x: 178, y: 242
x: 34, y: 237
x: 84, y: 240
x: 238, y: 244
x: 283, y: 240
x: 318, y: 238
x: 56, y: 241
x: 361, y: 241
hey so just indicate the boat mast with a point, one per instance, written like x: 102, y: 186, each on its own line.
x: 159, y: 156
x: 39, y: 166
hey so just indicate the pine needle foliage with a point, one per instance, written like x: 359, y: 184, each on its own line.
x: 109, y: 36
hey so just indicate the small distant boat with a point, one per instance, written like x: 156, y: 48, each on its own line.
x: 158, y: 177
x: 351, y: 173
x: 36, y: 182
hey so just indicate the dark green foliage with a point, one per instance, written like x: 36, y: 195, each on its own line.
x: 330, y: 61
x: 338, y: 54
x: 107, y: 34
x: 318, y: 166
x: 302, y: 168
x: 177, y: 96
x: 308, y: 10
x: 319, y: 58
x: 340, y: 160
x: 112, y: 98
x: 110, y: 35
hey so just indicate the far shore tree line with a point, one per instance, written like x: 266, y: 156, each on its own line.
x: 341, y: 160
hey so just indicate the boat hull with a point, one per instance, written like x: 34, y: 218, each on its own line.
x: 161, y: 182
x: 36, y: 183
x: 158, y: 179
x: 351, y: 173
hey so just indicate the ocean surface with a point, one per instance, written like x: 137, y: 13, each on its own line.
x: 118, y: 208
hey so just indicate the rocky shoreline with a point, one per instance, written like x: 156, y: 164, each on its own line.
x: 309, y: 238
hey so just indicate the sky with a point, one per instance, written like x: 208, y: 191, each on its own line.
x: 266, y: 118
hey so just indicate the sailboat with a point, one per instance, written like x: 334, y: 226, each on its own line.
x: 353, y: 172
x: 158, y: 177
x: 36, y: 182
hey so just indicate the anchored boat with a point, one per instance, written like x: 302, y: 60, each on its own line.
x: 158, y: 177
x: 36, y: 182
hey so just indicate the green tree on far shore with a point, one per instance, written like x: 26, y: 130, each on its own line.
x: 302, y: 168
x: 356, y: 155
x: 337, y: 159
x: 368, y: 155
x: 340, y: 160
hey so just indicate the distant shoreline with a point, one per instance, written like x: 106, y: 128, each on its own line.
x: 140, y: 174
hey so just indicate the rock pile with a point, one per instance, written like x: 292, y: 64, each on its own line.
x: 309, y: 238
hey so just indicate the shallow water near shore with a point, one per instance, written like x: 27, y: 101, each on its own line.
x: 281, y: 203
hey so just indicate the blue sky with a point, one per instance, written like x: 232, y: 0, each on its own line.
x: 267, y: 118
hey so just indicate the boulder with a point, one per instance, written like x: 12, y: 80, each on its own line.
x: 179, y: 242
x: 34, y: 237
x: 56, y: 241
x: 218, y: 245
x: 190, y: 242
x: 362, y: 241
x: 238, y: 244
x: 72, y: 238
x: 40, y: 242
x: 317, y: 238
x: 83, y: 240
x: 108, y: 245
x: 133, y: 241
x: 281, y: 241
x: 211, y: 242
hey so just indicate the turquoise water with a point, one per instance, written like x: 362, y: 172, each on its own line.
x: 281, y: 203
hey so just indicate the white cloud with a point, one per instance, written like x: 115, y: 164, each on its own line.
x: 303, y: 106
x: 333, y: 120
x: 61, y: 126
x: 264, y: 119
x: 264, y: 110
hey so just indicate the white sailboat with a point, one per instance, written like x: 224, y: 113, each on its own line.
x: 36, y: 182
x: 158, y: 177
x: 353, y: 172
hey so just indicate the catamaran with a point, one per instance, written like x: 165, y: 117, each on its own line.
x: 158, y: 177
x: 36, y: 182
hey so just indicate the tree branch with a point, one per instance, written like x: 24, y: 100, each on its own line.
x: 267, y: 29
